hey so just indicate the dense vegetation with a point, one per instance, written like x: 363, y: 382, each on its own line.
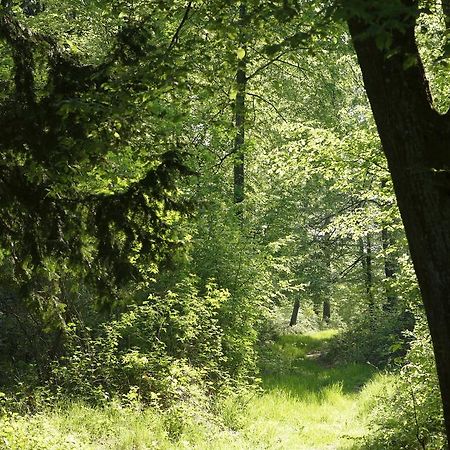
x: 209, y: 238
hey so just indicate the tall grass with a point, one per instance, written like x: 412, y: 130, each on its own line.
x: 304, y: 404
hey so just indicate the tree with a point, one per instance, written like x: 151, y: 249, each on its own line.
x: 88, y: 142
x: 415, y: 140
x: 240, y: 110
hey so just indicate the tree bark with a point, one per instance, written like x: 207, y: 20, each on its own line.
x: 294, y: 316
x: 366, y: 261
x: 326, y: 313
x: 389, y: 269
x: 240, y: 110
x: 415, y: 140
x: 369, y: 276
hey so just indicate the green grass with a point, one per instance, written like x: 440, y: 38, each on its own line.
x: 308, y: 405
x: 304, y: 404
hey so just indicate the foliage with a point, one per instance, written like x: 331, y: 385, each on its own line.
x: 89, y: 148
x: 409, y: 413
x: 375, y: 338
x: 380, y: 335
x: 286, y: 415
x: 162, y: 351
x: 150, y: 294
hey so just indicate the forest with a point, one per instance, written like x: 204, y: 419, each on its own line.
x: 224, y: 224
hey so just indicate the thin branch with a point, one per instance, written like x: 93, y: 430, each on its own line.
x: 269, y: 103
x: 254, y: 110
x: 223, y: 158
x: 176, y: 36
x: 266, y: 65
x: 350, y: 267
x: 295, y: 66
x: 325, y: 220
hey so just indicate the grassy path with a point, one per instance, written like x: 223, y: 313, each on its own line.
x: 306, y: 405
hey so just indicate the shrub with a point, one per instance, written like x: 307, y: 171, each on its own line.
x: 410, y: 415
x: 377, y: 338
x: 183, y: 345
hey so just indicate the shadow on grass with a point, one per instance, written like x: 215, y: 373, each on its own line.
x: 301, y: 372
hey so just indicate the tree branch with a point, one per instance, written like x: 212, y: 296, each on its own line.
x: 349, y: 268
x: 269, y: 103
x: 176, y: 36
x: 265, y: 66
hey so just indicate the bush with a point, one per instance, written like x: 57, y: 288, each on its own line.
x: 17, y: 432
x: 378, y: 339
x: 409, y: 416
x: 168, y: 348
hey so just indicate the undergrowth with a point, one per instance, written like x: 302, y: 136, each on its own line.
x: 305, y: 403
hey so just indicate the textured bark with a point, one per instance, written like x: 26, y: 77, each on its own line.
x: 294, y: 316
x: 415, y: 140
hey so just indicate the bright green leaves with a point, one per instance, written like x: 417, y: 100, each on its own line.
x: 240, y: 52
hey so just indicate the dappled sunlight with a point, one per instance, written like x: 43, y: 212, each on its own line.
x: 218, y: 220
x: 312, y: 405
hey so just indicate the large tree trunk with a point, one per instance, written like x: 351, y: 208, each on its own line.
x: 416, y: 141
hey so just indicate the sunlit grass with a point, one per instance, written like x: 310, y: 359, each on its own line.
x: 304, y: 405
x: 312, y: 406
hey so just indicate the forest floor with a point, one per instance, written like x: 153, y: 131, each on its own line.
x: 304, y: 404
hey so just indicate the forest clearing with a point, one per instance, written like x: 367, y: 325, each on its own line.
x: 224, y: 224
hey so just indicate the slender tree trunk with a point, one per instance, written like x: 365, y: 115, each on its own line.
x: 369, y: 272
x: 294, y: 316
x: 326, y: 307
x: 240, y: 110
x: 389, y: 269
x: 326, y: 313
x: 366, y: 261
x: 415, y: 140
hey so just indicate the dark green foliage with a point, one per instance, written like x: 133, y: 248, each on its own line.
x: 410, y: 414
x: 162, y: 349
x: 377, y: 338
x: 88, y: 166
